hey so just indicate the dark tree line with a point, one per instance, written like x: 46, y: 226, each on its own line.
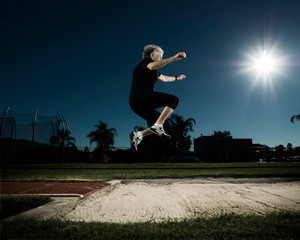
x: 152, y: 147
x: 181, y: 142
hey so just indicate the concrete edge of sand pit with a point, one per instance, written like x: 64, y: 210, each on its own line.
x: 59, y: 207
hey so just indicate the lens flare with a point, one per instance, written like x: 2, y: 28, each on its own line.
x: 263, y: 64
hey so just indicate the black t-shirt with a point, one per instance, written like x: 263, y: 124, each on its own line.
x: 143, y: 79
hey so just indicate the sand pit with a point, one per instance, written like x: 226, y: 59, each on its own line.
x: 177, y: 199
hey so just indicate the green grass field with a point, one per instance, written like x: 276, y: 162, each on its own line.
x: 284, y: 225
x: 279, y: 225
x: 11, y: 205
x: 105, y: 172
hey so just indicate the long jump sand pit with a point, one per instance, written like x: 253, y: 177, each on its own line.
x: 178, y: 199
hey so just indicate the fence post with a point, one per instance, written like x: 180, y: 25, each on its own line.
x: 2, y: 125
x: 63, y: 138
x: 33, y: 135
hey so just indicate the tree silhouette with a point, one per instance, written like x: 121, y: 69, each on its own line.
x: 103, y: 136
x: 224, y: 134
x: 289, y: 147
x: 63, y: 138
x: 280, y: 151
x: 297, y: 117
x: 180, y: 130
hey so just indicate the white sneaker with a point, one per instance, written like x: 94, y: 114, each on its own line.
x: 159, y: 130
x: 135, y: 141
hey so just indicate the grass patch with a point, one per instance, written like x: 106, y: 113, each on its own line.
x: 11, y: 205
x: 105, y: 172
x: 282, y: 225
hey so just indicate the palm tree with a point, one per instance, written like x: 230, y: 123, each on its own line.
x: 289, y: 147
x: 224, y: 134
x: 103, y: 136
x: 63, y: 138
x: 180, y: 131
x: 280, y: 151
x: 297, y: 117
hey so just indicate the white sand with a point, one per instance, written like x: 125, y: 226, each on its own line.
x: 177, y: 199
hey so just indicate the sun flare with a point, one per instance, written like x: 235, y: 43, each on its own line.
x: 264, y: 63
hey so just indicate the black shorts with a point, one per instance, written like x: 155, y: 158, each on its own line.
x: 145, y: 104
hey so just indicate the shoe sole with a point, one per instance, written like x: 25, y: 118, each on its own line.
x: 153, y: 131
x: 160, y: 135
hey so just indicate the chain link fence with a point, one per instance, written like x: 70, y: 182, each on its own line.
x: 30, y: 137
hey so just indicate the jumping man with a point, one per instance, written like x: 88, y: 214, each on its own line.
x: 144, y: 100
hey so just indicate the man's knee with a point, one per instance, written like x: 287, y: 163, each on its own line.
x: 174, y: 103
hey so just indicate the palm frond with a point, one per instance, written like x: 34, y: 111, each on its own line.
x: 297, y: 117
x: 103, y: 136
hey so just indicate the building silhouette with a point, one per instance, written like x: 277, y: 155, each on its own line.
x: 220, y: 149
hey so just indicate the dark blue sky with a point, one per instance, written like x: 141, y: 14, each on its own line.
x: 76, y: 58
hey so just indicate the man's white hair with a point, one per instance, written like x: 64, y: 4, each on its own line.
x: 148, y: 49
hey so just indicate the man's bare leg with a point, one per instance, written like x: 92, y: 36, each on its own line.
x: 137, y: 137
x: 158, y: 128
x: 146, y: 132
x: 166, y: 112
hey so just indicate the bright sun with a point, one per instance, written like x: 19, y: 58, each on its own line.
x: 263, y: 64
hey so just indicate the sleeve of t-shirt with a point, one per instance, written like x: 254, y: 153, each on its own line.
x: 145, y: 62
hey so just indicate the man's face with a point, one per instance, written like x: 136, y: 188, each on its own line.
x: 157, y: 55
